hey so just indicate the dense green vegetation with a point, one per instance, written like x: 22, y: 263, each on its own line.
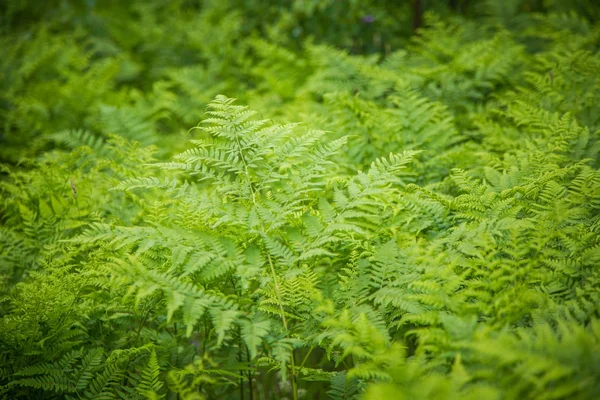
x: 296, y: 199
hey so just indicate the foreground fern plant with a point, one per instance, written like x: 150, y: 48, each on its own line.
x: 235, y: 255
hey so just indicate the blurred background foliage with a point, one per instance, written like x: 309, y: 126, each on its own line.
x: 149, y: 67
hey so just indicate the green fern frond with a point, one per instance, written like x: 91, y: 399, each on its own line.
x: 150, y: 383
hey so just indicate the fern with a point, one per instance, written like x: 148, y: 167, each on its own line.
x: 150, y: 383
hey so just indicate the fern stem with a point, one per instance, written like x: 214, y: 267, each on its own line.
x: 277, y: 292
x: 241, y: 388
x: 271, y: 265
x: 307, y: 355
x: 294, y: 383
x: 250, y: 386
x: 240, y: 358
x: 285, y: 325
x: 139, y: 330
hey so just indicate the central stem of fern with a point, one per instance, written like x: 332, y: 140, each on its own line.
x: 271, y: 266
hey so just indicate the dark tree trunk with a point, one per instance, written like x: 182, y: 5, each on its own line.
x: 417, y: 14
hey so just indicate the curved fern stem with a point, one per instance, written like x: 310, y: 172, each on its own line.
x: 285, y: 326
x: 271, y: 266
